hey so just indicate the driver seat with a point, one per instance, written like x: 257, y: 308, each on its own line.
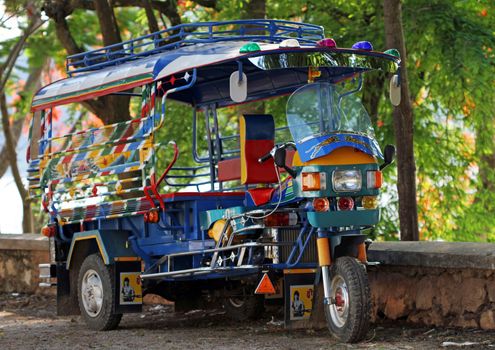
x: 257, y: 138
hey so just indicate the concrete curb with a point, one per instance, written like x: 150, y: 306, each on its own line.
x: 27, y: 241
x: 452, y: 255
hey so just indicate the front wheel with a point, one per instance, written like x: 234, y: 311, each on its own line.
x: 96, y: 293
x: 348, y: 310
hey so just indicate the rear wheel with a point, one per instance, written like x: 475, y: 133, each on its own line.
x: 348, y: 313
x: 96, y: 293
x: 241, y: 304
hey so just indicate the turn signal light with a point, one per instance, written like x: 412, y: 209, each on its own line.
x: 152, y: 217
x: 321, y: 204
x: 374, y: 179
x: 49, y: 231
x: 314, y: 181
x: 370, y: 202
x: 345, y: 203
x: 281, y: 219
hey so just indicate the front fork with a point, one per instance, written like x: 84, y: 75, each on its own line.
x: 324, y: 260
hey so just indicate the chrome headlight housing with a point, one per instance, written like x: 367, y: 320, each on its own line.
x: 348, y: 180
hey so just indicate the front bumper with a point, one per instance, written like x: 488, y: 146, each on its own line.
x: 343, y: 218
x: 47, y: 275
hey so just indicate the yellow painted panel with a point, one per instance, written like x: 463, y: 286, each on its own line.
x: 340, y: 156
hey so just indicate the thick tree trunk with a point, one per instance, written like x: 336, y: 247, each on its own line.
x: 108, y: 22
x: 111, y: 109
x: 256, y: 9
x: 403, y: 128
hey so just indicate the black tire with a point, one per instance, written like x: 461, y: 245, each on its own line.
x: 348, y: 314
x: 242, y: 305
x: 97, y: 318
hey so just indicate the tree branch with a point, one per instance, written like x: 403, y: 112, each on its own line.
x: 32, y: 83
x: 6, y: 69
x: 207, y: 3
x: 152, y: 23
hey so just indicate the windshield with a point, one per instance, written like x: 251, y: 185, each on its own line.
x: 319, y: 108
x: 324, y: 112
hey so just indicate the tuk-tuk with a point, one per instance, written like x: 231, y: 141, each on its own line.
x: 266, y: 197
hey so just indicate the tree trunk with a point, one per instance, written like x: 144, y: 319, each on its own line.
x: 256, y: 9
x: 403, y: 128
x: 12, y: 157
x: 108, y: 22
x: 112, y: 108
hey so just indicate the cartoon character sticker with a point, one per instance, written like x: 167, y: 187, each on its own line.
x: 301, y: 302
x: 130, y: 288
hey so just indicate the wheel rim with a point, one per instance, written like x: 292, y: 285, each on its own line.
x: 236, y: 302
x: 339, y: 308
x: 92, y: 293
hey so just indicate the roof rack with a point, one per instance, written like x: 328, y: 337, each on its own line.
x: 271, y: 31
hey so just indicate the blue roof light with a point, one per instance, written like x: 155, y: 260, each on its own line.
x: 363, y: 45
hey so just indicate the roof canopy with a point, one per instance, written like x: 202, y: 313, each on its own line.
x: 273, y: 69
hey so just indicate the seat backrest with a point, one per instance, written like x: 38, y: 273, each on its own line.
x: 257, y: 137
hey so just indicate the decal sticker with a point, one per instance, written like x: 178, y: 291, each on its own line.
x: 317, y: 148
x: 301, y: 301
x: 322, y: 145
x: 130, y: 288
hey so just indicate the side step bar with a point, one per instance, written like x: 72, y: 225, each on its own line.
x: 204, y: 270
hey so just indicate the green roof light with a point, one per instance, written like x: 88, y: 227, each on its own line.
x: 250, y: 47
x: 393, y: 52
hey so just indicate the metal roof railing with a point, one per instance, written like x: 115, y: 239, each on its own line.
x: 272, y: 31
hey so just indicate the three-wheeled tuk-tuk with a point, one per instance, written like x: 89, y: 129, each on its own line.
x: 254, y: 208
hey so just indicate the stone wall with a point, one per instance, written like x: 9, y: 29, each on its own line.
x: 424, y: 283
x: 19, y: 259
x: 435, y: 284
x: 436, y: 297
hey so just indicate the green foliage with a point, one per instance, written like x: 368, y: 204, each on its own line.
x: 451, y: 60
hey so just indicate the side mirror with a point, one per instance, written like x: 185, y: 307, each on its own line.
x: 280, y: 160
x: 279, y: 157
x: 238, y: 87
x: 394, y: 90
x: 388, y: 155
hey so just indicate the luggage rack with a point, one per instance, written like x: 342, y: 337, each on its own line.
x: 271, y: 31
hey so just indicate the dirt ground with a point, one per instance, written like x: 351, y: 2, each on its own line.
x: 29, y: 322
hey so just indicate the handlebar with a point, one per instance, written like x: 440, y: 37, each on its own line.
x: 265, y: 157
x: 274, y: 149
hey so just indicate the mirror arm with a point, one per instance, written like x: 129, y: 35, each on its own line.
x: 239, y: 68
x: 290, y: 171
x: 384, y: 165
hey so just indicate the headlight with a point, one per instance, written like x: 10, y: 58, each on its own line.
x: 347, y: 180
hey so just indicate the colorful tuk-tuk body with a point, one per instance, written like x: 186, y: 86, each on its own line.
x: 252, y: 205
